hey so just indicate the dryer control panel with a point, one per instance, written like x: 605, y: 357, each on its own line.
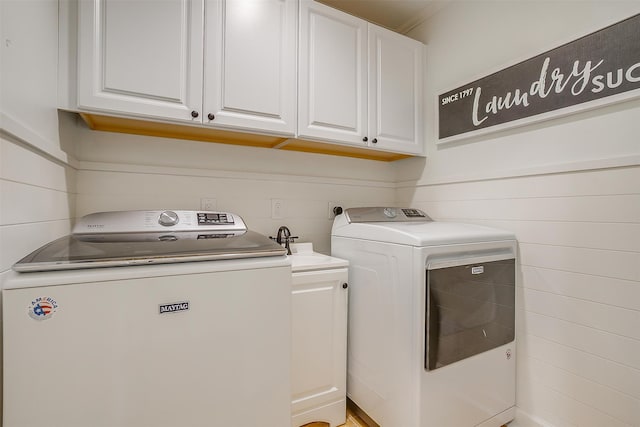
x: 385, y: 214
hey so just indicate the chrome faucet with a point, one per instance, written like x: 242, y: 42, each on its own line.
x: 284, y: 237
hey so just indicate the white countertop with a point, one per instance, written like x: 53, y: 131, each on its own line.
x: 303, y: 258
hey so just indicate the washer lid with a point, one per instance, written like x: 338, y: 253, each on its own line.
x: 415, y: 233
x: 115, y: 239
x: 75, y: 252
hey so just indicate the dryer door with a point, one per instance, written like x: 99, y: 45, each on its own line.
x: 470, y: 309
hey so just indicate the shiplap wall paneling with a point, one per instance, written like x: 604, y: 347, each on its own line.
x: 305, y: 199
x: 37, y: 201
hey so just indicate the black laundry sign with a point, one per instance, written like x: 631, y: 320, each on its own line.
x: 598, y: 65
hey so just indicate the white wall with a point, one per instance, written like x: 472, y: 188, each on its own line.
x: 570, y: 190
x: 118, y: 171
x: 36, y: 179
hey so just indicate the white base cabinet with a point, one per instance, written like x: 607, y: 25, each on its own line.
x: 319, y: 346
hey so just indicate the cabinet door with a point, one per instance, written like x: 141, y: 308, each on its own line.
x: 141, y: 57
x: 395, y: 91
x: 332, y: 92
x: 250, y: 64
x: 319, y: 342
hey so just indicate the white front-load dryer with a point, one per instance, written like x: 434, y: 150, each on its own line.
x: 431, y: 318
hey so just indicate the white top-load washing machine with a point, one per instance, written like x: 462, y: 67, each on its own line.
x: 431, y: 318
x: 155, y: 339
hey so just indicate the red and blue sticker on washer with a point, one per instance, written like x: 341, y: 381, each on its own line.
x: 42, y: 308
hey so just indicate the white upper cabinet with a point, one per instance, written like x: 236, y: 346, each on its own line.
x: 250, y: 64
x: 140, y: 57
x: 395, y: 91
x: 277, y: 68
x: 224, y: 63
x: 332, y: 74
x: 359, y: 83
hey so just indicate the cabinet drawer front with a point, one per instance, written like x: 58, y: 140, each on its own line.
x: 306, y: 277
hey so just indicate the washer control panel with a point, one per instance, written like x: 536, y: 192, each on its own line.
x: 205, y: 218
x: 158, y: 221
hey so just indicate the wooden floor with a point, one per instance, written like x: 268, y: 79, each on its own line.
x: 353, y: 420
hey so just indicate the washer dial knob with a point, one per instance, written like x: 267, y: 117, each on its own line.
x: 168, y: 218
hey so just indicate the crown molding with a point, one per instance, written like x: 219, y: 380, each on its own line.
x: 431, y: 8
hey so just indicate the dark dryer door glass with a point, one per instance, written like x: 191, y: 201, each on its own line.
x: 470, y: 309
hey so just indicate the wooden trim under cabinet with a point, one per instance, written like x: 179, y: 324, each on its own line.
x: 171, y: 130
x: 341, y: 150
x: 208, y: 134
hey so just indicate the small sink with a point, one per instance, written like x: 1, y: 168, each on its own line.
x: 303, y: 259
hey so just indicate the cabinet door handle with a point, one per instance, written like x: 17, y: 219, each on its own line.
x: 374, y: 140
x: 194, y: 114
x: 211, y: 116
x: 365, y: 139
x: 345, y: 286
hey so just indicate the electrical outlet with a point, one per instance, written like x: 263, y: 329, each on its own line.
x: 277, y: 209
x: 332, y: 205
x: 208, y: 204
